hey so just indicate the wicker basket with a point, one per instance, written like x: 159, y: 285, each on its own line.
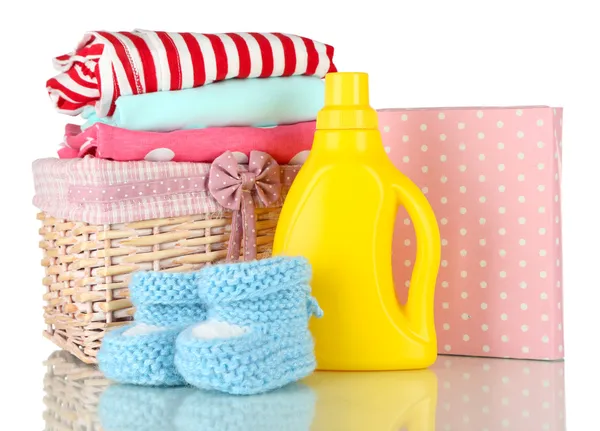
x: 72, y: 392
x: 88, y: 267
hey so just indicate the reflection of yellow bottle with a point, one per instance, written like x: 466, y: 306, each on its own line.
x: 340, y: 214
x: 387, y: 401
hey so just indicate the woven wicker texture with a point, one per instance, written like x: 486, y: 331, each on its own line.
x: 88, y: 267
x: 72, y: 392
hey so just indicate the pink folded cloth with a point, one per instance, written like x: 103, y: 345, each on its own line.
x: 287, y: 144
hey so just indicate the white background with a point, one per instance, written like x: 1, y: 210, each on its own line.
x: 418, y: 54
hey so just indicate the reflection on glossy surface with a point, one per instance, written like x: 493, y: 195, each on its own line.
x: 457, y: 393
x: 500, y: 394
x: 72, y: 391
x: 375, y: 400
x: 136, y: 408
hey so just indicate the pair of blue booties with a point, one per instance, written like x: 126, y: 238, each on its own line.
x: 239, y: 328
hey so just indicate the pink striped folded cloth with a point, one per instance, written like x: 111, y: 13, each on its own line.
x: 106, y: 65
x: 287, y: 144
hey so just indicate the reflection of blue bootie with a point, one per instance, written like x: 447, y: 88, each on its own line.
x: 142, y: 353
x: 256, y: 337
x: 290, y: 408
x: 139, y: 408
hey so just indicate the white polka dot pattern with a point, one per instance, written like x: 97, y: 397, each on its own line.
x: 99, y: 191
x: 160, y: 155
x: 493, y: 181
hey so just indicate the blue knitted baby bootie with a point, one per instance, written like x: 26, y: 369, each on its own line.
x: 142, y: 353
x: 256, y: 338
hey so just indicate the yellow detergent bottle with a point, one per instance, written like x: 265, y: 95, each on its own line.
x: 340, y: 214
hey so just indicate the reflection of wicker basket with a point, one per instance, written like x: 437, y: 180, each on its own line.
x: 72, y: 392
x: 88, y: 267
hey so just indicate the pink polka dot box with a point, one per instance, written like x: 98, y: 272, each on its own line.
x: 492, y: 176
x: 103, y: 220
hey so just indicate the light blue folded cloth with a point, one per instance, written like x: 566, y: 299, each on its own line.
x: 143, y: 352
x: 256, y: 336
x: 258, y: 102
x: 139, y: 408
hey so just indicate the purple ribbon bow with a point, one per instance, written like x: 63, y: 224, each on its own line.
x: 232, y: 185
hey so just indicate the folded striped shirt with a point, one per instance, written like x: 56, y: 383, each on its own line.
x: 106, y: 65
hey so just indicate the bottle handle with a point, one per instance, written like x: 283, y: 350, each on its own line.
x: 425, y: 270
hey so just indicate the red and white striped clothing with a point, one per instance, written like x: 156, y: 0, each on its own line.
x: 106, y: 65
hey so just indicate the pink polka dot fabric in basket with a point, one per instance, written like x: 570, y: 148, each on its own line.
x: 492, y: 176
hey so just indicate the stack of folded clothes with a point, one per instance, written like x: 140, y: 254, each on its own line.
x: 145, y: 95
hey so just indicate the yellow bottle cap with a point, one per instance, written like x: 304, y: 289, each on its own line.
x: 347, y: 102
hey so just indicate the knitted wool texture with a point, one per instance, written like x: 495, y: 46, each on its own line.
x: 145, y: 359
x: 271, y: 299
x: 151, y: 288
x: 167, y: 300
x: 139, y: 408
x: 170, y: 315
